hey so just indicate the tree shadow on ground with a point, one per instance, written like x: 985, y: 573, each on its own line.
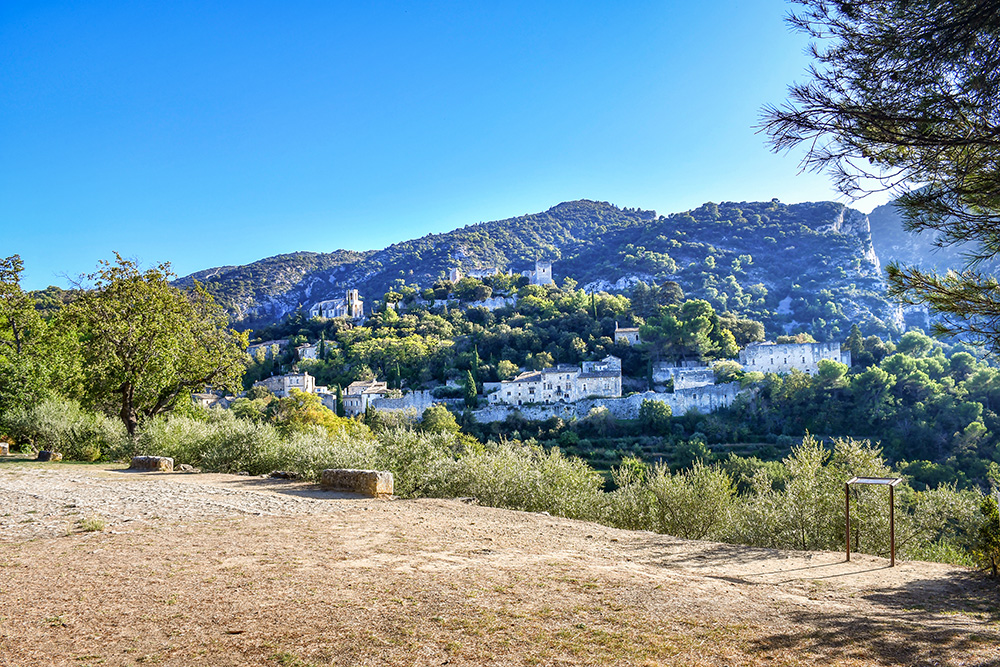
x: 928, y: 620
x: 911, y: 638
x: 921, y: 622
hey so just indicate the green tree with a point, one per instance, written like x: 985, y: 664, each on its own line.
x: 23, y: 378
x: 507, y: 369
x: 655, y: 416
x: 693, y: 504
x: 855, y: 343
x: 987, y: 548
x: 148, y: 344
x: 340, y: 401
x: 438, y: 419
x: 905, y: 95
x: 469, y: 390
x: 19, y: 320
x: 300, y: 410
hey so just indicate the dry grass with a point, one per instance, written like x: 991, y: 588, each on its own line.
x: 440, y: 582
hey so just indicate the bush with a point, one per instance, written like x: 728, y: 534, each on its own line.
x: 61, y: 425
x: 526, y: 477
x: 693, y: 504
x: 237, y: 445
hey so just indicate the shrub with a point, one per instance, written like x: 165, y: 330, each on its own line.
x: 526, y: 477
x: 61, y: 425
x: 693, y: 504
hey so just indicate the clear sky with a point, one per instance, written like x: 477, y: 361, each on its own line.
x: 213, y: 133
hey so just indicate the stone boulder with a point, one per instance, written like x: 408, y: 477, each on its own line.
x: 4, y: 449
x: 374, y: 483
x: 46, y: 455
x: 157, y: 463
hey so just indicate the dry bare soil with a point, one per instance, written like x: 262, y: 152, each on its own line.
x: 103, y: 566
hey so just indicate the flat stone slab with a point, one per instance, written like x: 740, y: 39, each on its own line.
x: 157, y: 463
x: 374, y: 483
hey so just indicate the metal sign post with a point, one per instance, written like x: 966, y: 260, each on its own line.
x: 891, y: 482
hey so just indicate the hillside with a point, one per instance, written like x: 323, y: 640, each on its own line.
x: 228, y: 570
x: 808, y: 264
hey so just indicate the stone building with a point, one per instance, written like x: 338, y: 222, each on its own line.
x: 359, y: 395
x: 282, y: 385
x: 308, y: 351
x: 783, y: 357
x: 627, y: 335
x: 563, y: 383
x: 689, y: 375
x: 455, y: 274
x: 352, y: 305
x: 542, y: 275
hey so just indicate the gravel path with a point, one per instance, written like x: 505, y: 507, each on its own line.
x: 48, y: 502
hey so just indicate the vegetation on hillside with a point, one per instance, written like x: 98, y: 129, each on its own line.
x: 786, y: 266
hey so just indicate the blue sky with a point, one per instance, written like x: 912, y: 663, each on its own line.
x: 214, y: 133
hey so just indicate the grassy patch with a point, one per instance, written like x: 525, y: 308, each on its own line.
x: 92, y: 524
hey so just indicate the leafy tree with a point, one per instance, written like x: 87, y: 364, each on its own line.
x: 905, y: 95
x: 830, y: 373
x: 507, y: 369
x: 655, y: 416
x: 727, y: 371
x: 438, y: 419
x: 856, y: 344
x: 300, y: 410
x: 22, y: 375
x: 692, y: 504
x: 18, y: 318
x: 987, y: 549
x: 148, y: 344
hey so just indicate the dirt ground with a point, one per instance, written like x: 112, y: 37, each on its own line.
x: 103, y: 566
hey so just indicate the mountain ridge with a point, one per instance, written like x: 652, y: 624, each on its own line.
x: 745, y: 257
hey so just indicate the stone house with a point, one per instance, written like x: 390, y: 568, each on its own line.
x: 209, y: 399
x: 359, y: 395
x: 783, y: 357
x: 627, y: 335
x: 308, y: 351
x: 282, y: 385
x: 563, y: 383
x: 352, y: 306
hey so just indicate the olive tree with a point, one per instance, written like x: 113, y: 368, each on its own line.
x: 147, y: 344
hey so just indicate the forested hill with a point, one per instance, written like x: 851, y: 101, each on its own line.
x: 808, y: 265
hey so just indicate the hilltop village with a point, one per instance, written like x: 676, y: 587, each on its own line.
x: 563, y: 390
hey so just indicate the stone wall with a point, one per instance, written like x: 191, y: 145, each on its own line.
x: 783, y: 357
x: 416, y: 400
x: 684, y: 377
x: 701, y: 399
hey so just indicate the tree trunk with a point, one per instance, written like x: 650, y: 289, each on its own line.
x: 127, y: 413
